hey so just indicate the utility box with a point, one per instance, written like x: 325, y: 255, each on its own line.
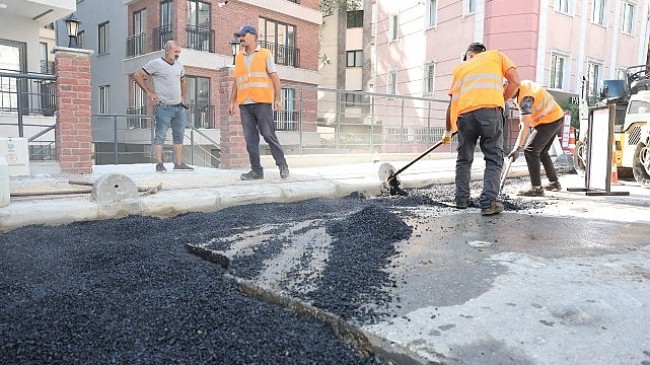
x: 16, y: 153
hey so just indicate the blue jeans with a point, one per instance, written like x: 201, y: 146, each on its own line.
x: 258, y: 119
x: 166, y: 116
x: 486, y: 124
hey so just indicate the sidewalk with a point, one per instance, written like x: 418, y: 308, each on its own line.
x: 52, y: 199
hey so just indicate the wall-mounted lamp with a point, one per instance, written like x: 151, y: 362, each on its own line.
x: 234, y: 46
x: 72, y: 25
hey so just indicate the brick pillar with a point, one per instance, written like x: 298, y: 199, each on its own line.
x: 233, y: 145
x: 74, y: 113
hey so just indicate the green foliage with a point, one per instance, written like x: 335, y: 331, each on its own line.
x: 328, y: 6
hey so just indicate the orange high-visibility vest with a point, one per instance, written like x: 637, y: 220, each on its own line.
x: 254, y: 84
x: 545, y: 108
x: 478, y: 84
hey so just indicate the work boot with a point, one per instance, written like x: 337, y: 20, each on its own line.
x: 553, y: 186
x: 494, y: 208
x: 182, y: 167
x: 462, y: 203
x: 284, y: 171
x: 253, y: 175
x: 532, y: 191
x: 160, y: 167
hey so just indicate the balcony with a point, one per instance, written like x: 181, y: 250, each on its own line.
x: 162, y: 35
x: 284, y: 56
x: 199, y: 38
x: 201, y: 116
x: 286, y: 120
x: 136, y: 45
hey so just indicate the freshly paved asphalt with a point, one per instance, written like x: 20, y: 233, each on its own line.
x: 563, y: 282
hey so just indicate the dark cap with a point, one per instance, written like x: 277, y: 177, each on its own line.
x: 246, y: 29
x: 476, y: 47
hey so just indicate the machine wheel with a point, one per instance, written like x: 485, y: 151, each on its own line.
x: 580, y: 157
x: 641, y: 165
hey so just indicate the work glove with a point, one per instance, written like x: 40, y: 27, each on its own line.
x: 446, y: 137
x: 514, y: 154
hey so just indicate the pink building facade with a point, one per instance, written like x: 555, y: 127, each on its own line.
x: 554, y: 42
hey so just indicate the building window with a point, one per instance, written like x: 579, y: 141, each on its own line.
x: 598, y: 12
x: 564, y: 6
x: 280, y: 39
x: 355, y: 19
x: 164, y: 33
x: 80, y: 39
x: 287, y: 118
x: 198, y: 27
x: 354, y: 99
x: 102, y: 37
x: 391, y: 85
x: 393, y: 27
x: 139, y: 108
x: 558, y: 69
x: 198, y: 100
x: 470, y: 7
x: 432, y: 13
x: 627, y: 24
x: 594, y: 77
x: 104, y: 98
x: 429, y: 78
x: 45, y: 64
x: 137, y: 42
x: 355, y: 58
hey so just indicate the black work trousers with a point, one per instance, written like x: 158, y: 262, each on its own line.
x: 539, y: 141
x: 258, y: 119
x: 486, y: 127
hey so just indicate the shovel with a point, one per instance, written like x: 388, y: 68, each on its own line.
x: 391, y: 181
x: 504, y: 174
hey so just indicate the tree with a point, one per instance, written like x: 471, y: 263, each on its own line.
x: 328, y: 6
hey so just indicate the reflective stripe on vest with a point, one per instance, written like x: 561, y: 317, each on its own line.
x: 478, y: 84
x: 254, y: 83
x: 545, y: 109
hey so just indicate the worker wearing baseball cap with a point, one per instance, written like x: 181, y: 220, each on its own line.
x: 542, y: 115
x: 257, y: 92
x: 476, y: 111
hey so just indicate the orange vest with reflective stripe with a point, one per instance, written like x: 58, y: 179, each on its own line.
x: 545, y: 108
x: 478, y: 84
x: 254, y: 84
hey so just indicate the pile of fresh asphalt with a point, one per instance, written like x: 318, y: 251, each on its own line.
x: 127, y: 291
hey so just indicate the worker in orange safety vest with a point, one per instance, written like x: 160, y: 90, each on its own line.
x: 476, y: 111
x: 257, y: 92
x: 542, y: 115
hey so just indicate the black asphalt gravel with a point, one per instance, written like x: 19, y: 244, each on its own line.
x: 127, y: 291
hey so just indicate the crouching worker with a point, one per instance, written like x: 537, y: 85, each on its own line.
x: 543, y: 117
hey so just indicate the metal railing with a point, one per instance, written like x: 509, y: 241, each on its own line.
x: 199, y: 38
x: 161, y: 35
x: 116, y: 142
x: 136, y: 45
x: 27, y: 109
x: 285, y: 56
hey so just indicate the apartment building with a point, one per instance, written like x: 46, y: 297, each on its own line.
x: 415, y: 44
x: 204, y: 29
x: 27, y: 101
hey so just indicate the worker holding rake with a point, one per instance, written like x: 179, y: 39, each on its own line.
x: 476, y: 112
x: 542, y: 115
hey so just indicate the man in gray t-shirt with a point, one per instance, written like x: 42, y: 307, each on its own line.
x: 167, y: 76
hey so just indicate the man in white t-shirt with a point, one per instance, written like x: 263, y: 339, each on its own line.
x: 167, y: 76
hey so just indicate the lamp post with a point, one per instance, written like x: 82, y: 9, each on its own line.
x: 72, y: 25
x: 234, y: 45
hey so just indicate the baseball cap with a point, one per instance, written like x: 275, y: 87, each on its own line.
x: 246, y: 29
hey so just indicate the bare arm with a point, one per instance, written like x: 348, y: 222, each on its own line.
x: 277, y: 102
x: 143, y: 79
x: 513, y: 83
x: 183, y: 89
x: 448, y: 117
x: 233, y: 99
x: 524, y: 126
